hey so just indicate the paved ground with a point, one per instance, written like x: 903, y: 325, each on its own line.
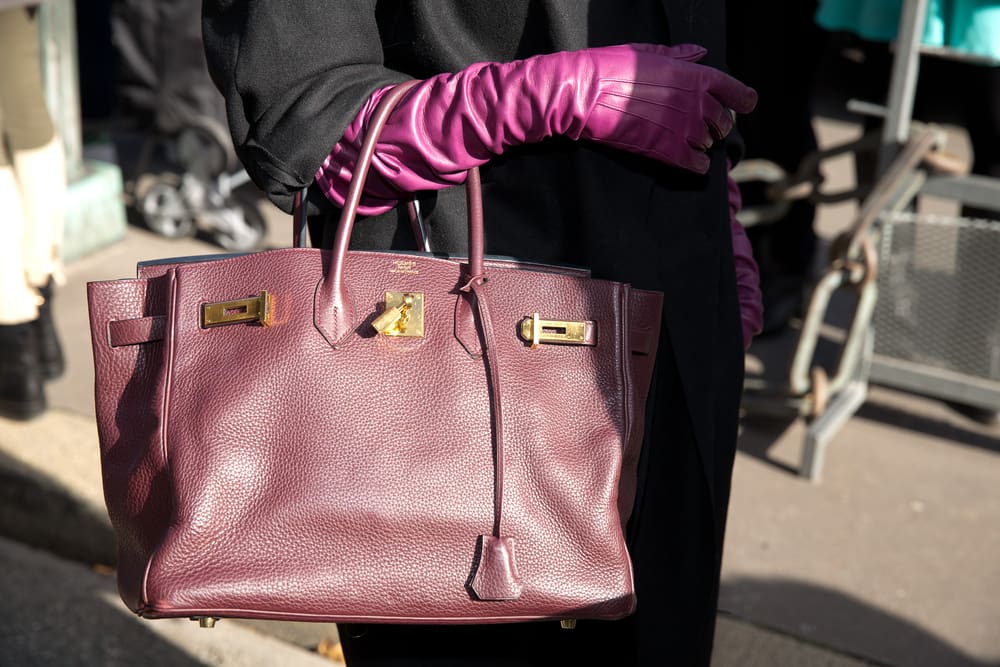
x: 891, y: 560
x: 62, y: 610
x: 893, y: 555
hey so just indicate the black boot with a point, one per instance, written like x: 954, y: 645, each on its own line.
x: 50, y: 355
x: 22, y: 389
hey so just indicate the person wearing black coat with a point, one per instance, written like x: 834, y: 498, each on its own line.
x: 295, y: 74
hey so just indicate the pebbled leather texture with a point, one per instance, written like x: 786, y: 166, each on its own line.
x: 648, y: 99
x: 643, y: 331
x: 137, y: 330
x: 256, y: 471
x: 130, y: 391
x: 496, y: 576
x: 264, y: 472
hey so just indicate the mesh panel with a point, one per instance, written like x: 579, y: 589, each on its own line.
x: 939, y: 293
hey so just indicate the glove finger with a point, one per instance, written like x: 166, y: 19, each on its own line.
x: 689, y: 52
x: 700, y: 142
x: 692, y: 53
x: 732, y: 93
x: 698, y: 163
x: 719, y: 120
x: 691, y: 159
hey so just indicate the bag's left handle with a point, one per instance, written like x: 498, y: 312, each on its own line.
x: 300, y: 220
x: 332, y: 312
x: 333, y: 315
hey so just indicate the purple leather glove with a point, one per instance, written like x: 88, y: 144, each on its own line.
x: 747, y: 273
x: 648, y: 99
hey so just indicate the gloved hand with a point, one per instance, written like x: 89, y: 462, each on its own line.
x: 648, y: 99
x: 747, y: 273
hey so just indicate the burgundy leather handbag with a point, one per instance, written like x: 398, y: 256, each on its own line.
x: 356, y: 436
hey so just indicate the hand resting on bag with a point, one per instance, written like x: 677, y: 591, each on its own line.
x: 652, y: 100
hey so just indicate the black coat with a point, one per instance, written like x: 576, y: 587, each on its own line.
x: 295, y: 72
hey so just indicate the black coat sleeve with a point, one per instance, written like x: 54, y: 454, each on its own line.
x: 294, y: 73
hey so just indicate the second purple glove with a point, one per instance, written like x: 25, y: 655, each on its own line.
x: 648, y: 99
x: 747, y: 273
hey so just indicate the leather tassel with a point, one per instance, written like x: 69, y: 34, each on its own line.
x: 496, y: 575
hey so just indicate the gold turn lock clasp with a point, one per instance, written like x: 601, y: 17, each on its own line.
x: 558, y: 332
x: 254, y: 309
x: 403, y: 315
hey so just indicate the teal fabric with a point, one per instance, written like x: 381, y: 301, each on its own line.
x: 969, y: 26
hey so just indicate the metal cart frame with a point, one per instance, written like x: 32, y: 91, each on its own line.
x: 908, y: 166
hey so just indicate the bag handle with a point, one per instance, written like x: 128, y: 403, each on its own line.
x: 333, y: 312
x: 494, y: 574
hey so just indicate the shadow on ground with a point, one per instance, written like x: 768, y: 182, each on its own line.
x: 929, y: 425
x: 36, y: 510
x: 60, y: 614
x: 833, y: 619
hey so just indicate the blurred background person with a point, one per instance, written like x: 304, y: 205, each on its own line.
x: 32, y: 188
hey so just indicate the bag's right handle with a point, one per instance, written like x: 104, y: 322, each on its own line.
x: 494, y: 576
x: 333, y: 314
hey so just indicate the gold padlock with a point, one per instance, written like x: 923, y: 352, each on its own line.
x: 389, y: 317
x: 403, y: 315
